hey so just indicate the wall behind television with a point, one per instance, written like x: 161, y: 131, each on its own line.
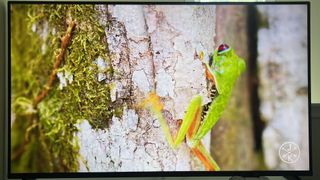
x: 315, y: 73
x: 315, y: 53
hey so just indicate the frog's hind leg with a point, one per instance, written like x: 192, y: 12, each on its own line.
x: 191, y: 120
x: 204, y: 156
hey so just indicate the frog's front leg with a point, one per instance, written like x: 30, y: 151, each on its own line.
x: 207, y: 65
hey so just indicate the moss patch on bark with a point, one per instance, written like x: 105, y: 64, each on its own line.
x: 43, y: 137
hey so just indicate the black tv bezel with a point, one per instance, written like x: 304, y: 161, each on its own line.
x: 254, y: 173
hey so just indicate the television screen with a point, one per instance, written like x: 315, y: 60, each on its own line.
x: 136, y: 89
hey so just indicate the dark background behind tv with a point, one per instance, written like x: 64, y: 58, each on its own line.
x: 315, y: 83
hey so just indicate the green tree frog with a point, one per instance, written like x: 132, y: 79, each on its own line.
x: 222, y: 70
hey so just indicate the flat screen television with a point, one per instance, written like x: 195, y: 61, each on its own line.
x: 106, y: 89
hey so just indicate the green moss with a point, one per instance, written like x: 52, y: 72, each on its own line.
x: 33, y: 51
x: 118, y: 112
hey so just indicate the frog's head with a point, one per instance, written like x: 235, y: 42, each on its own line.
x: 222, y: 50
x: 224, y: 67
x: 228, y: 52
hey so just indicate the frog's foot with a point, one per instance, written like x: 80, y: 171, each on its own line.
x: 153, y: 102
x: 206, y: 64
x: 199, y: 56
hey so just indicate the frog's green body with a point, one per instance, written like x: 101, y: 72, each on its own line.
x: 222, y: 70
x: 226, y: 68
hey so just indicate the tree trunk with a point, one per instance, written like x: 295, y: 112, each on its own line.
x: 151, y: 49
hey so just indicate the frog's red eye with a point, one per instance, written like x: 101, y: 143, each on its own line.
x: 223, y: 48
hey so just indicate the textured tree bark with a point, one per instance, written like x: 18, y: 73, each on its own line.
x: 152, y: 49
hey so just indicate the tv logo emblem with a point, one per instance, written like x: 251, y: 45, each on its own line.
x: 289, y: 152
